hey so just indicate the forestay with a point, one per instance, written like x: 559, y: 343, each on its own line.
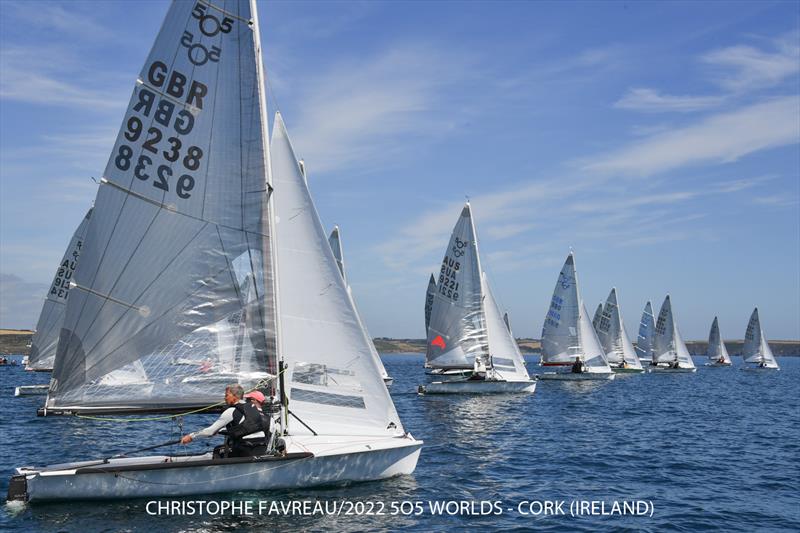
x: 331, y: 379
x: 756, y: 348
x: 335, y: 241
x: 506, y: 358
x: 716, y: 346
x: 45, y: 341
x: 177, y: 249
x: 457, y: 330
x: 613, y: 336
x: 647, y: 330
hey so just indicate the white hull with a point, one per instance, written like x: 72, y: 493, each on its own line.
x: 477, y: 387
x: 447, y: 375
x: 666, y: 370
x: 310, y: 461
x: 574, y: 376
x: 31, y: 390
x: 627, y: 370
x: 719, y: 365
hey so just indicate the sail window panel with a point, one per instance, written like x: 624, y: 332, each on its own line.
x: 327, y: 398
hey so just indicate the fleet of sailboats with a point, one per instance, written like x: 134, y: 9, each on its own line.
x: 204, y: 262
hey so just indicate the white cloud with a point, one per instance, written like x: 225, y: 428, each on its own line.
x: 721, y: 138
x: 649, y: 100
x: 749, y: 68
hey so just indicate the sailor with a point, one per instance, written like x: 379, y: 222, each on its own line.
x: 478, y: 370
x: 577, y: 366
x: 246, y: 428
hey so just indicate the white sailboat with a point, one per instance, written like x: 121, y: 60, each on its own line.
x: 466, y: 329
x: 335, y: 241
x: 610, y: 328
x: 647, y: 335
x: 160, y: 264
x: 669, y: 350
x: 717, y: 353
x: 756, y: 352
x: 45, y: 341
x: 569, y: 342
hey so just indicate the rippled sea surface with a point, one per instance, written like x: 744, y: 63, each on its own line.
x: 715, y: 450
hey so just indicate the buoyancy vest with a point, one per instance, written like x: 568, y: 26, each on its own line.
x: 247, y: 419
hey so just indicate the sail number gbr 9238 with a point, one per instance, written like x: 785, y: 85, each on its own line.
x: 164, y: 111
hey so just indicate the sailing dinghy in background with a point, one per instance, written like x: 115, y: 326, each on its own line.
x: 335, y: 240
x: 187, y: 232
x: 569, y: 342
x: 669, y: 351
x: 45, y: 341
x: 647, y: 335
x: 610, y: 328
x: 756, y: 352
x: 717, y: 353
x: 431, y: 290
x: 598, y: 314
x: 466, y: 330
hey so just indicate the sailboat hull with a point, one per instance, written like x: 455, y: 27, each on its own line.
x: 719, y: 365
x: 478, y: 387
x: 574, y: 376
x: 31, y: 390
x: 665, y: 370
x: 759, y: 369
x: 310, y: 461
x: 627, y: 370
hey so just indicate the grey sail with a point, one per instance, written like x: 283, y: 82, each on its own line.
x: 429, y: 302
x: 613, y: 336
x: 560, y: 341
x: 45, y: 341
x: 335, y: 241
x: 598, y: 313
x: 717, y: 353
x: 647, y: 331
x: 177, y: 252
x: 756, y: 348
x: 332, y: 381
x: 457, y: 331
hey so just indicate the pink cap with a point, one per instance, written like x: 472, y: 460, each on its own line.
x: 256, y: 395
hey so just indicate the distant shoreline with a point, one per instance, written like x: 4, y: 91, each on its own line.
x: 15, y: 341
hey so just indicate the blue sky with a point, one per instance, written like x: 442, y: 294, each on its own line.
x: 659, y: 140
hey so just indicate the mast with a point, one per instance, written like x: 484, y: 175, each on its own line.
x: 487, y: 356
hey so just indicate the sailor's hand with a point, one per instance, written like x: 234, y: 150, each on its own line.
x: 186, y: 439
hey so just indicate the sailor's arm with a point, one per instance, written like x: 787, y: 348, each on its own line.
x: 224, y: 419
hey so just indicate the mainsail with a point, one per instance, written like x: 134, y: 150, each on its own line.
x: 567, y: 333
x: 335, y: 241
x: 457, y: 330
x: 332, y: 382
x: 717, y: 353
x: 756, y: 348
x: 613, y: 336
x: 179, y: 241
x: 429, y: 302
x: 669, y: 346
x: 647, y: 331
x: 45, y: 340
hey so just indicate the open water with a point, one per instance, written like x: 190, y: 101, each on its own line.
x: 715, y: 450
